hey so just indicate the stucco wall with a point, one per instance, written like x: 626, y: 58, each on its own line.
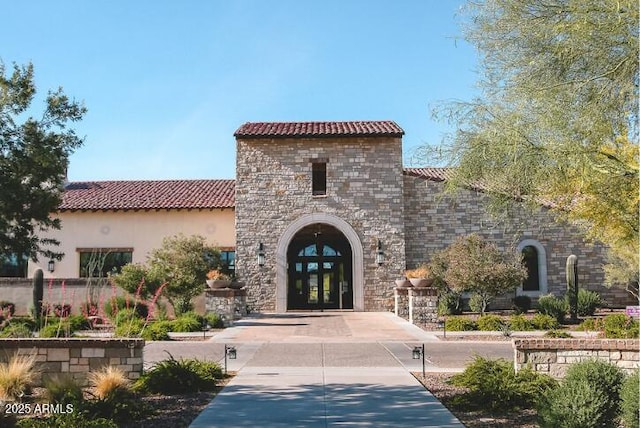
x: 434, y: 220
x: 140, y: 230
x: 364, y: 188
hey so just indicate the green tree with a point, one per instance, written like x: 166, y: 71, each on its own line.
x: 472, y: 264
x: 557, y: 116
x: 34, y: 156
x: 182, y: 264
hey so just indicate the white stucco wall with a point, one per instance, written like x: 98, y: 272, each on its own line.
x: 140, y: 230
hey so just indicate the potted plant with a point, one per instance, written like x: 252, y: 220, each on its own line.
x: 218, y: 279
x: 420, y: 276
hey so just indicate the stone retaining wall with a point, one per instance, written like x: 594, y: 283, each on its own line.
x: 77, y: 356
x: 554, y: 356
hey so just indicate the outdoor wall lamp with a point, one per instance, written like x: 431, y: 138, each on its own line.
x: 261, y: 254
x: 51, y: 266
x: 231, y: 353
x: 418, y: 351
x: 380, y: 254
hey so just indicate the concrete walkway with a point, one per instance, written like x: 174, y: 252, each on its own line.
x: 323, y: 370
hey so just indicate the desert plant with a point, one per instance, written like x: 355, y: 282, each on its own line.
x: 214, y: 320
x: 553, y: 306
x: 490, y: 323
x: 78, y: 322
x: 620, y: 326
x: 478, y: 303
x: 494, y: 384
x: 557, y: 334
x: 188, y: 322
x: 115, y: 304
x: 134, y: 327
x: 460, y: 324
x: 521, y: 304
x: 587, y: 397
x: 15, y: 330
x: 449, y: 303
x: 38, y: 294
x: 7, y: 309
x: 17, y: 376
x: 629, y: 403
x: 63, y: 389
x: 158, y: 330
x: 520, y: 323
x: 60, y: 328
x: 421, y: 272
x: 544, y: 322
x: 108, y: 381
x: 571, y: 272
x: 588, y: 302
x: 173, y: 376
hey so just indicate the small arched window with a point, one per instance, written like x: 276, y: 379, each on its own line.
x: 534, y: 258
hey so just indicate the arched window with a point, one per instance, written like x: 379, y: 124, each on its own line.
x: 534, y: 258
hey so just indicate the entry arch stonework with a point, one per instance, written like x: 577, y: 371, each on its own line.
x: 357, y: 258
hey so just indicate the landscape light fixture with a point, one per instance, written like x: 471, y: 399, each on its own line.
x: 380, y: 254
x: 230, y: 353
x: 51, y: 266
x: 418, y: 351
x: 261, y: 254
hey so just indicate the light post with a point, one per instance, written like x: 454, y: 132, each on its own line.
x: 231, y: 353
x: 418, y: 351
x: 443, y: 325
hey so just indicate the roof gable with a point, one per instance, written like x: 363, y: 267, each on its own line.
x: 381, y: 128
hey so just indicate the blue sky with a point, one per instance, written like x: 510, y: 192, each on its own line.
x: 167, y: 83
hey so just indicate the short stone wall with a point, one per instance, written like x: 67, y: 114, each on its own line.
x: 418, y: 305
x: 229, y: 303
x: 554, y: 356
x: 77, y: 356
x: 401, y: 302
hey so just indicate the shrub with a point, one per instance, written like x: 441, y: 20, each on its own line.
x: 158, y: 330
x: 544, y: 322
x: 59, y: 328
x: 214, y: 320
x: 490, y: 323
x: 15, y: 330
x: 460, y: 324
x: 62, y: 310
x: 521, y: 304
x: 17, y: 376
x: 449, y: 304
x: 132, y: 328
x: 553, y: 306
x: 588, y: 302
x: 116, y: 304
x: 7, y: 309
x: 478, y: 303
x: 494, y: 384
x: 78, y: 322
x: 629, y: 404
x: 108, y: 381
x: 188, y: 322
x: 520, y: 323
x: 591, y: 324
x: 74, y: 419
x: 557, y: 334
x: 180, y: 376
x: 63, y: 389
x: 588, y: 397
x: 125, y: 316
x: 620, y: 326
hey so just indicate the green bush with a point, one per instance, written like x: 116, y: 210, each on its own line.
x: 60, y: 328
x: 180, y: 376
x: 78, y: 322
x: 15, y: 330
x: 629, y: 402
x: 588, y: 302
x: 125, y: 316
x: 158, y: 330
x: 122, y: 406
x: 520, y: 323
x: 557, y: 334
x: 490, y: 323
x: 449, y: 304
x: 544, y: 322
x: 553, y: 306
x: 460, y: 324
x: 494, y: 384
x: 620, y: 326
x: 591, y: 324
x: 75, y: 419
x: 188, y: 322
x: 521, y: 304
x: 63, y: 389
x: 588, y: 397
x: 477, y: 303
x: 116, y: 304
x: 132, y: 328
x: 214, y: 320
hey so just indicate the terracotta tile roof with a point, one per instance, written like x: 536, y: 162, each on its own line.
x: 430, y: 173
x: 377, y: 128
x: 148, y: 195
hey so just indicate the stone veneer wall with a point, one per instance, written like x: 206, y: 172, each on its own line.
x: 77, y: 356
x: 364, y: 188
x: 434, y: 220
x: 423, y: 305
x: 554, y: 356
x: 229, y: 303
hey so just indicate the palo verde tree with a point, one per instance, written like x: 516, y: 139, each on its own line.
x: 473, y: 264
x: 557, y: 116
x: 34, y: 154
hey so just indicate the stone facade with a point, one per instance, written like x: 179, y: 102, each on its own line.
x: 364, y: 190
x: 76, y: 357
x: 433, y: 220
x: 229, y: 303
x: 554, y: 356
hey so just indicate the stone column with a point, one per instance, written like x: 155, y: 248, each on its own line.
x: 401, y: 298
x: 229, y: 303
x: 423, y: 305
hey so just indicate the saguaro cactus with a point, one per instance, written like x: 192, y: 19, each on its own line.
x: 572, y: 285
x: 38, y: 294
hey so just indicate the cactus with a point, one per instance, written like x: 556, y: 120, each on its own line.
x: 38, y: 294
x: 572, y: 285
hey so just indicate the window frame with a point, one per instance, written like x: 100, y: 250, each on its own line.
x: 319, y: 177
x: 542, y: 269
x: 101, y: 250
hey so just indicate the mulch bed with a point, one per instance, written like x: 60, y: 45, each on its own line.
x: 437, y: 384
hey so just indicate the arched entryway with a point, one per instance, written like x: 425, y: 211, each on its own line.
x: 320, y: 272
x: 296, y: 232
